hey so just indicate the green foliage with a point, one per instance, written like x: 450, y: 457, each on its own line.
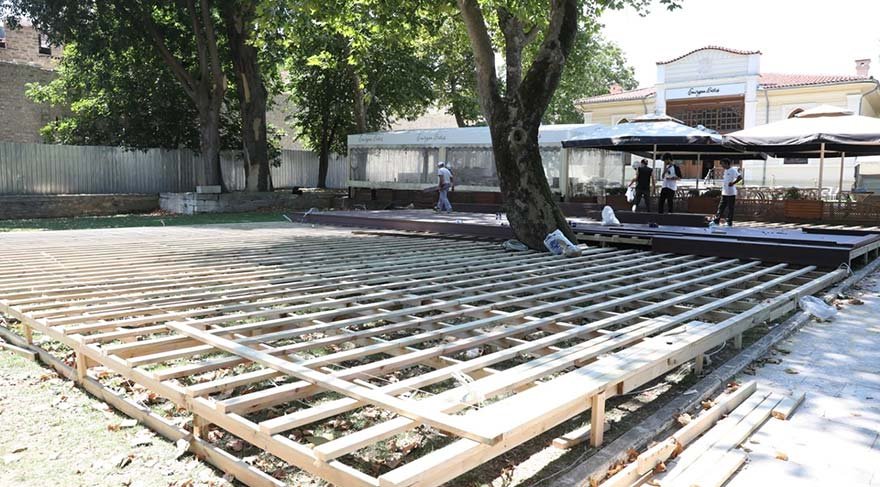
x: 592, y: 67
x: 351, y: 50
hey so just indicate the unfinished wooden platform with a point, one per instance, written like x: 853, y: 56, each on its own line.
x: 826, y: 248
x: 269, y: 330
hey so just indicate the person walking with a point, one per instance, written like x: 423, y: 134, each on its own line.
x: 643, y: 181
x: 671, y: 175
x: 730, y: 178
x: 444, y: 185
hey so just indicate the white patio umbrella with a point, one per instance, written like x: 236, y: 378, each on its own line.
x: 821, y: 131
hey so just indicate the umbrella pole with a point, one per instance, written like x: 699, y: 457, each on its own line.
x: 840, y: 183
x: 821, y: 166
x: 700, y: 171
x: 654, y: 167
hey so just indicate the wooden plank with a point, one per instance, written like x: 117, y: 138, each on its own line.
x: 788, y: 405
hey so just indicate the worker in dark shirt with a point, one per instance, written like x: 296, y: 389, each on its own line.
x: 644, y: 180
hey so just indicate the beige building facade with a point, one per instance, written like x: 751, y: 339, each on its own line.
x: 26, y: 56
x: 725, y: 90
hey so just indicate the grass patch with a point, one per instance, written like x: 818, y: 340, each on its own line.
x: 149, y: 220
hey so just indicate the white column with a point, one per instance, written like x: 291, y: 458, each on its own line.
x: 750, y: 113
x: 660, y: 88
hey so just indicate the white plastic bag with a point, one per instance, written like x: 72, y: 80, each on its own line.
x: 818, y: 308
x: 558, y: 244
x: 608, y: 217
x: 630, y: 194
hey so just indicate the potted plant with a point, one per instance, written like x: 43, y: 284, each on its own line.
x: 798, y: 207
x: 616, y: 198
x: 705, y: 203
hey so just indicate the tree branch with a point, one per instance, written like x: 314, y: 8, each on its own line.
x: 200, y: 41
x: 542, y: 78
x: 213, y: 51
x: 484, y: 56
x: 182, y: 75
x: 514, y: 41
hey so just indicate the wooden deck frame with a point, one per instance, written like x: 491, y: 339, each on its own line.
x: 191, y: 302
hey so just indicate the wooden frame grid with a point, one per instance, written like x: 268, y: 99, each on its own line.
x: 262, y: 330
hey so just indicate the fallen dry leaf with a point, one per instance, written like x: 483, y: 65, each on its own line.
x: 781, y: 456
x: 684, y: 419
x: 791, y: 371
x: 708, y: 404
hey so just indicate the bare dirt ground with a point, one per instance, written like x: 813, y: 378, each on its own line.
x: 52, y: 433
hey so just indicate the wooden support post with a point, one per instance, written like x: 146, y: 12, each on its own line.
x: 200, y: 426
x: 738, y: 342
x: 597, y: 419
x: 82, y: 366
x: 28, y: 334
x: 698, y: 364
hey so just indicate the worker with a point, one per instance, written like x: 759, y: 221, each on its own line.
x: 729, y: 180
x: 671, y: 175
x: 445, y: 183
x: 643, y: 181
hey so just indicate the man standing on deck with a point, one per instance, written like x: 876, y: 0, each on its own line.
x: 671, y: 174
x: 728, y: 192
x: 444, y: 185
x: 644, y: 180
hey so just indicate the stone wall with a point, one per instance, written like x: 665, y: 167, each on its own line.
x: 191, y: 203
x: 22, y: 118
x: 23, y: 47
x: 57, y: 206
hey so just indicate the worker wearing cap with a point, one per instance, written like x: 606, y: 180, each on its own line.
x: 671, y: 174
x: 444, y: 185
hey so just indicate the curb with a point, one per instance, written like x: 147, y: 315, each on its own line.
x: 593, y: 470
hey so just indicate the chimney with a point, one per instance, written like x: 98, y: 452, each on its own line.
x: 616, y: 89
x: 863, y: 66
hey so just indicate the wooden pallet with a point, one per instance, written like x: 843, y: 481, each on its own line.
x: 265, y: 330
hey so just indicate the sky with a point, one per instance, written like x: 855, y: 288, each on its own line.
x: 795, y: 36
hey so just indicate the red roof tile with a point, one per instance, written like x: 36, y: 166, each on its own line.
x: 765, y: 80
x: 777, y: 80
x: 713, y: 48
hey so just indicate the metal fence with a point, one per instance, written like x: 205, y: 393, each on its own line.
x: 64, y: 169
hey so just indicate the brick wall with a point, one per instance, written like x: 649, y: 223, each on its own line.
x: 57, y: 206
x: 20, y: 118
x: 22, y: 47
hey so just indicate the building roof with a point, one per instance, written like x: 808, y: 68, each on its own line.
x: 711, y: 48
x: 765, y: 80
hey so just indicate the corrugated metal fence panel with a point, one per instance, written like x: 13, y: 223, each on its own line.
x: 300, y: 168
x: 60, y: 169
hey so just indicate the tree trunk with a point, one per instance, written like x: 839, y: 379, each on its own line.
x: 514, y: 119
x: 323, y: 162
x: 360, y: 109
x: 252, y: 96
x: 209, y: 144
x: 528, y: 201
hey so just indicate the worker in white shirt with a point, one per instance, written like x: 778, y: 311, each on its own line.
x: 671, y: 175
x: 444, y: 185
x: 728, y: 192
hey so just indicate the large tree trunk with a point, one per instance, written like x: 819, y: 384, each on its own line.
x: 252, y: 96
x: 514, y: 118
x: 209, y: 145
x: 360, y: 108
x: 323, y: 163
x: 528, y: 201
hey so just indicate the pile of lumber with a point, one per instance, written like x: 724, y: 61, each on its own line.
x: 706, y: 451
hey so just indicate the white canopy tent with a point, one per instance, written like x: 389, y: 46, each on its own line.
x: 407, y: 159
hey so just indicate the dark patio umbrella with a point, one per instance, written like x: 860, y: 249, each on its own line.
x: 818, y: 132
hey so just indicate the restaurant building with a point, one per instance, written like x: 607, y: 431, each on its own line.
x: 725, y: 90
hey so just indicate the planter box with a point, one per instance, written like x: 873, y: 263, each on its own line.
x: 618, y: 202
x: 803, y: 209
x: 706, y: 205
